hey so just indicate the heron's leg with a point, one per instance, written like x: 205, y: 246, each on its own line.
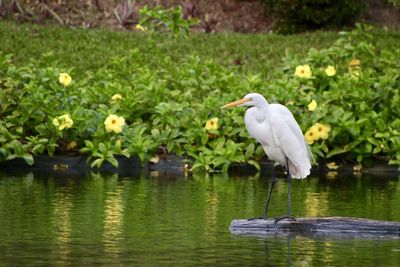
x: 289, y: 180
x: 289, y: 211
x: 271, y: 186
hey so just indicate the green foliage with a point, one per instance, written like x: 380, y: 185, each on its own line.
x: 302, y: 15
x: 171, y: 105
x: 361, y: 104
x: 159, y: 19
x: 91, y: 50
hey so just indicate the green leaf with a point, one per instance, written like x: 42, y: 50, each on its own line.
x: 197, y: 165
x: 113, y: 161
x: 85, y: 150
x: 38, y: 148
x: 336, y: 151
x: 88, y: 144
x: 204, y: 138
x: 102, y: 148
x: 373, y: 141
x: 3, y: 152
x: 219, y: 161
x: 97, y: 163
x: 28, y: 159
x: 250, y: 150
x: 125, y: 153
x: 98, y: 155
x: 255, y: 164
x: 170, y: 146
x: 377, y: 150
x: 368, y: 148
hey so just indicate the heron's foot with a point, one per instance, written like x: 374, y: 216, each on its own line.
x: 257, y: 218
x: 284, y: 217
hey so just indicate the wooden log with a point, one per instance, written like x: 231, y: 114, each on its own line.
x: 323, y: 226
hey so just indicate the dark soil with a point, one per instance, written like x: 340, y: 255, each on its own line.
x: 215, y: 16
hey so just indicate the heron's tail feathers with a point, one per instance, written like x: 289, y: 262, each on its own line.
x: 300, y: 170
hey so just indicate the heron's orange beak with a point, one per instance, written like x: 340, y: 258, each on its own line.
x: 237, y: 103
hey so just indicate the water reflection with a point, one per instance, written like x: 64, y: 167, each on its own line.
x: 299, y: 250
x: 48, y: 219
x: 113, y: 216
x: 61, y: 217
x: 211, y: 213
x: 316, y: 204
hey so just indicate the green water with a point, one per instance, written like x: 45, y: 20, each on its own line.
x: 153, y: 220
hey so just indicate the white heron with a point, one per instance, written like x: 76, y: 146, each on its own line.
x: 275, y: 128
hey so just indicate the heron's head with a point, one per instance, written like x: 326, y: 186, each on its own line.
x: 249, y: 100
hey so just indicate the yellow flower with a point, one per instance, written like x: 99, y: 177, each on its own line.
x: 332, y: 165
x: 212, y: 124
x: 330, y: 70
x: 62, y: 122
x: 116, y: 97
x: 113, y: 123
x: 140, y: 28
x: 311, y: 135
x: 64, y: 79
x: 312, y: 106
x: 303, y: 71
x: 322, y: 130
x: 316, y: 132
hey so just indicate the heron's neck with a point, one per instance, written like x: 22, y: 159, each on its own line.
x: 262, y: 105
x: 261, y: 111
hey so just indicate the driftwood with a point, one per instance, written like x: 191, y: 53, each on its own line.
x: 339, y: 226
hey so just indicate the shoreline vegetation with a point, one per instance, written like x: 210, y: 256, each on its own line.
x: 148, y: 95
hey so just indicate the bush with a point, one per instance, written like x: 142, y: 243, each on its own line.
x: 158, y: 19
x: 361, y: 101
x: 302, y: 15
x: 125, y: 108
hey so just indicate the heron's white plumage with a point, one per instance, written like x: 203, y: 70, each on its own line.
x: 275, y: 128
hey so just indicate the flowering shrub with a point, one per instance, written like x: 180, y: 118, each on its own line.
x: 345, y: 98
x: 357, y: 99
